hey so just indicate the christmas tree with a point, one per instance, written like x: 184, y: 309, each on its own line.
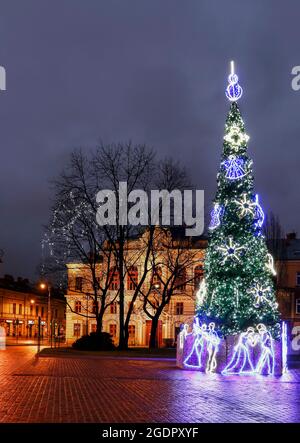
x: 238, y: 288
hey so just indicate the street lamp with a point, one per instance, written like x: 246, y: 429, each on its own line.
x: 45, y: 286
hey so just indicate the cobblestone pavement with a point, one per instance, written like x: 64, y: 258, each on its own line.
x: 93, y: 389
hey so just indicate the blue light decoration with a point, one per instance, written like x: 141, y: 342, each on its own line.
x: 284, y: 346
x: 242, y: 361
x: 259, y: 213
x: 233, y: 91
x: 267, y: 357
x: 216, y: 215
x: 234, y: 167
x: 205, y: 347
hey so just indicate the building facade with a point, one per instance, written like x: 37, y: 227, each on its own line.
x: 20, y: 313
x: 288, y: 280
x: 80, y: 319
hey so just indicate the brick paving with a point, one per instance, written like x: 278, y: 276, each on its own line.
x: 94, y: 389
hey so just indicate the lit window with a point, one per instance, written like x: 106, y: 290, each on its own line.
x: 76, y: 331
x: 94, y: 327
x: 113, y: 308
x: 113, y: 330
x: 180, y: 280
x: 20, y: 309
x: 114, y: 280
x: 156, y: 278
x: 14, y: 308
x: 131, y: 331
x: 132, y: 278
x: 298, y: 279
x: 298, y: 306
x: 179, y: 308
x: 78, y: 306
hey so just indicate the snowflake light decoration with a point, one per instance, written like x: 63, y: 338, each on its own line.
x: 260, y: 294
x: 246, y: 206
x: 235, y: 137
x: 231, y: 250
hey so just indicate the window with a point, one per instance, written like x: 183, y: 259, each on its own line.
x: 31, y: 309
x: 113, y: 330
x: 156, y: 278
x: 180, y: 281
x: 42, y: 311
x: 94, y: 327
x: 20, y: 309
x: 131, y: 331
x: 132, y: 278
x: 298, y: 279
x: 113, y: 308
x: 95, y: 305
x: 14, y: 306
x: 298, y: 306
x: 198, y: 275
x: 78, y: 306
x: 76, y: 331
x: 114, y: 280
x: 177, y: 331
x: 179, y: 308
x: 78, y: 284
x: 36, y: 310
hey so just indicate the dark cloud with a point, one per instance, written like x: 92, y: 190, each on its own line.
x: 153, y: 71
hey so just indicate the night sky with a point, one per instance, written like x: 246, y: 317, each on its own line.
x: 153, y: 71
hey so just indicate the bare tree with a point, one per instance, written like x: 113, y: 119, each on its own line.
x: 74, y: 236
x: 134, y: 165
x: 172, y: 259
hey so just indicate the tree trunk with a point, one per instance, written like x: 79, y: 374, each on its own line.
x: 122, y: 343
x: 153, y: 343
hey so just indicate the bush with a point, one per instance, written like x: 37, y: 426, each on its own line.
x: 94, y: 342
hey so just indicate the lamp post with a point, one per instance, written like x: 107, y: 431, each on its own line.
x: 49, y: 326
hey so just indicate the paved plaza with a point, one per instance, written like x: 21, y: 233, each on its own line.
x: 99, y: 389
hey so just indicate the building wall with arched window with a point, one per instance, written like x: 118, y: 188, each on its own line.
x: 181, y: 308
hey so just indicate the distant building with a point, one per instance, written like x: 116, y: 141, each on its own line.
x: 288, y: 279
x: 21, y: 308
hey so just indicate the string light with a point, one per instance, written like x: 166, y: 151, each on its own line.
x: 216, y: 214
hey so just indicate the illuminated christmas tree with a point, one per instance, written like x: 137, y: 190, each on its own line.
x: 238, y: 290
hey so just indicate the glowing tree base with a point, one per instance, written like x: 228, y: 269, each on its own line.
x: 252, y: 352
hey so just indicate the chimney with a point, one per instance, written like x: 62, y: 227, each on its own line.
x: 291, y: 236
